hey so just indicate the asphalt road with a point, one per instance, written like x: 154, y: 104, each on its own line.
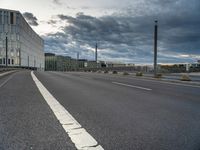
x: 121, y: 113
x: 26, y: 121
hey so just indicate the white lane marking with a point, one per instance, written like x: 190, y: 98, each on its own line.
x: 79, y: 136
x: 138, y: 87
x: 154, y: 80
x: 2, y: 84
x: 166, y: 82
x: 85, y: 77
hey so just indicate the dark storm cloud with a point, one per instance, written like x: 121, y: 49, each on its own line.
x: 131, y: 36
x: 31, y: 19
x: 52, y: 22
x: 57, y: 2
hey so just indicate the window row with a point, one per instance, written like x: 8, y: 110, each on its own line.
x: 3, y: 61
x: 4, y: 28
x: 9, y: 17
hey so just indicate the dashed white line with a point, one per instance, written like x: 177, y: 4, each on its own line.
x: 79, y: 136
x: 132, y: 86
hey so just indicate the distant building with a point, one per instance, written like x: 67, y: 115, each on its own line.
x: 93, y: 64
x: 178, y: 68
x: 115, y: 64
x: 59, y: 63
x: 66, y: 63
x: 82, y: 63
x: 24, y: 47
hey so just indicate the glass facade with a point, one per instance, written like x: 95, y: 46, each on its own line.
x: 24, y: 47
x: 59, y: 63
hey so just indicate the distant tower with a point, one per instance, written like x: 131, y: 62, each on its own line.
x: 77, y: 55
x: 77, y: 61
x: 96, y: 52
x: 155, y: 47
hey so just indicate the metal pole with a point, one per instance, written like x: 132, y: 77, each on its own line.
x: 96, y: 47
x: 6, y: 51
x: 20, y: 56
x: 77, y: 55
x: 77, y: 61
x: 96, y: 52
x: 28, y: 62
x: 155, y: 47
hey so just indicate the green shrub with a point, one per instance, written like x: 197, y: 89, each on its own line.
x: 115, y: 72
x: 99, y: 71
x: 125, y: 73
x: 158, y: 75
x: 106, y: 71
x: 139, y: 74
x: 185, y: 78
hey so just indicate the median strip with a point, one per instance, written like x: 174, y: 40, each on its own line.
x: 132, y: 86
x: 79, y: 136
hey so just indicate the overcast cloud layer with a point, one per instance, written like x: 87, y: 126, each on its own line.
x: 127, y: 34
x: 31, y: 19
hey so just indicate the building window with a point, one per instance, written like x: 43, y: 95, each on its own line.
x: 17, y: 37
x: 11, y: 18
x: 1, y: 16
x: 12, y: 61
x: 1, y: 28
x: 5, y: 17
x: 0, y: 61
x: 9, y: 61
x: 4, y: 60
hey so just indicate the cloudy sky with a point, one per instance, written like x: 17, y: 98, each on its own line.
x: 122, y: 29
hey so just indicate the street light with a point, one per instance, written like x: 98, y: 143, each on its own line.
x: 96, y: 47
x: 6, y: 50
x: 77, y: 61
x: 155, y: 47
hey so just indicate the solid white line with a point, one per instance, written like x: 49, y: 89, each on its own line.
x: 138, y: 87
x: 79, y: 136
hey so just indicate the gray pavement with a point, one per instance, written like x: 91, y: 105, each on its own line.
x: 118, y: 111
x: 126, y: 117
x: 26, y: 121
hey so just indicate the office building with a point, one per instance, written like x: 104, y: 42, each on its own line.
x: 20, y: 46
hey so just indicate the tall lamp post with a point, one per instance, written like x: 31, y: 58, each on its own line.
x: 6, y: 50
x: 77, y: 61
x: 96, y: 47
x: 155, y: 47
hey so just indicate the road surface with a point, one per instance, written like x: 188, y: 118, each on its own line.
x: 121, y: 113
